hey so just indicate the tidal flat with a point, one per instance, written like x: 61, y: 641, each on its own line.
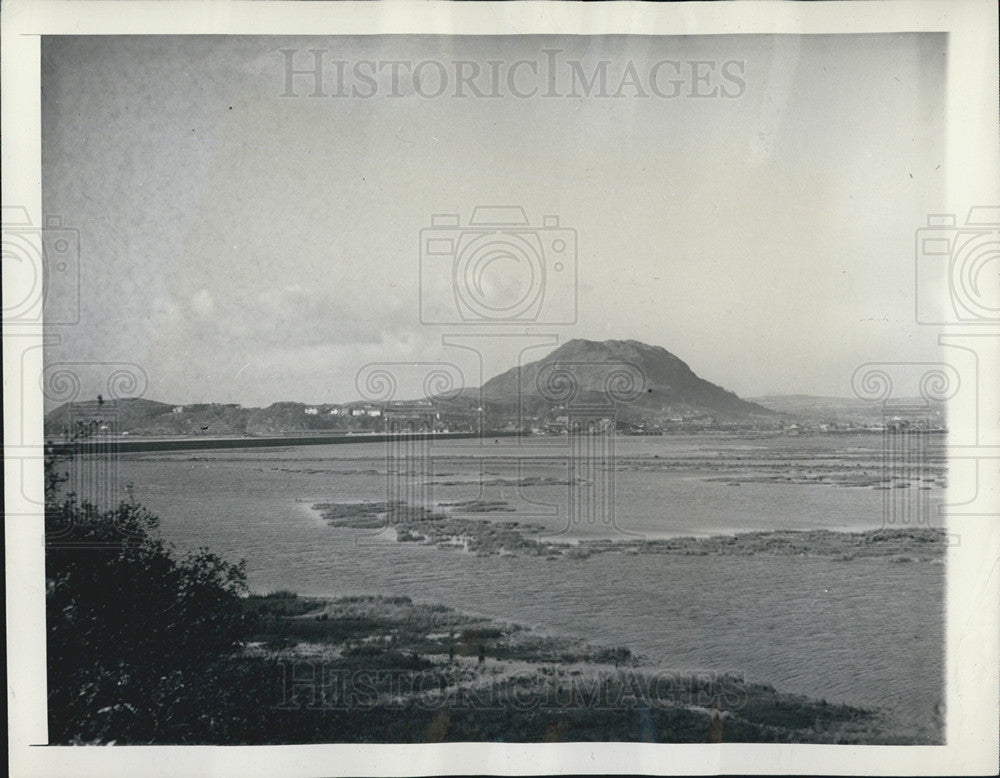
x: 484, y: 537
x: 802, y: 583
x: 386, y: 669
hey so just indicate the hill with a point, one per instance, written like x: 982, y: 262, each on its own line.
x: 128, y: 414
x: 640, y: 379
x: 846, y: 410
x: 147, y: 417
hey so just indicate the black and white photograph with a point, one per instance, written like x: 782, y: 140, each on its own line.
x: 610, y: 386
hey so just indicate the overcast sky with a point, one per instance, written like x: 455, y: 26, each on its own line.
x: 244, y: 246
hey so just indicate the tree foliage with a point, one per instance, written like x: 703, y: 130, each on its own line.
x: 138, y: 637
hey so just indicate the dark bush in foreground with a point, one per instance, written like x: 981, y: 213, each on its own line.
x: 137, y: 637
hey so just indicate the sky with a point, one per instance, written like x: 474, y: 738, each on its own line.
x: 243, y: 241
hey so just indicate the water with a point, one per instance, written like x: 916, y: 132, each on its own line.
x: 866, y: 631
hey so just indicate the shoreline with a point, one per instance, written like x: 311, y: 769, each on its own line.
x: 121, y: 445
x: 887, y: 543
x: 486, y: 537
x: 402, y: 664
x: 895, y: 551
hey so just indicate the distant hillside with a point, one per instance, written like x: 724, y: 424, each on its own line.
x: 148, y: 417
x: 128, y: 414
x: 642, y: 381
x: 663, y: 384
x: 839, y: 409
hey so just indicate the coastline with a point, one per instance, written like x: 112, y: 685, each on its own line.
x: 486, y: 537
x: 385, y: 669
x: 689, y: 615
x: 130, y: 445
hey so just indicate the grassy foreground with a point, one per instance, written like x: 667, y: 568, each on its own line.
x: 378, y: 669
x: 147, y: 647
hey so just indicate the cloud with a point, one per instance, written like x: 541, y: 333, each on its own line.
x: 291, y: 316
x: 202, y: 304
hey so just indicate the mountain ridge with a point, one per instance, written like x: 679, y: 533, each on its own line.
x: 668, y: 383
x: 640, y: 380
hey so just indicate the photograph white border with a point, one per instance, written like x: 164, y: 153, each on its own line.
x: 973, y: 585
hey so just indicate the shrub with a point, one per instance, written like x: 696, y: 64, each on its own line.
x: 135, y: 633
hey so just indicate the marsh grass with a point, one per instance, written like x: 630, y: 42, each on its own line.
x: 488, y: 538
